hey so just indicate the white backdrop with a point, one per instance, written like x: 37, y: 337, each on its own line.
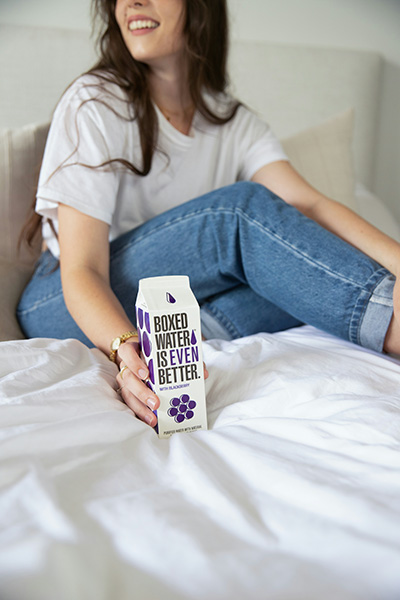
x: 358, y: 24
x: 362, y: 24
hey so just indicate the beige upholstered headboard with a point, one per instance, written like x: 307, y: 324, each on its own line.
x: 293, y: 87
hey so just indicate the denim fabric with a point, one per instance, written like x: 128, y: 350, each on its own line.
x: 255, y: 264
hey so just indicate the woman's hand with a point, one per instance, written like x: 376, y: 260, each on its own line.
x: 131, y: 380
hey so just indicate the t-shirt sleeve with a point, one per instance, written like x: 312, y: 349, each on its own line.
x: 258, y: 147
x: 85, y: 133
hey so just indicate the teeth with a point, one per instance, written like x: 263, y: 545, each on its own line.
x: 135, y: 25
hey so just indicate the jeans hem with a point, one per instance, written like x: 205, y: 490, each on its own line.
x: 215, y: 325
x: 376, y: 308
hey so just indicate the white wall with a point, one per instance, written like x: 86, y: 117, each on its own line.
x: 368, y: 24
x: 358, y: 24
x: 362, y: 24
x: 71, y: 14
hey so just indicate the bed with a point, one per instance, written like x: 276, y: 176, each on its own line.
x: 293, y: 492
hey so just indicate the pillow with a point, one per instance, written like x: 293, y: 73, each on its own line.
x: 13, y: 278
x: 323, y: 156
x: 21, y: 152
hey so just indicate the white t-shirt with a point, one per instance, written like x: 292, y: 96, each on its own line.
x: 210, y: 157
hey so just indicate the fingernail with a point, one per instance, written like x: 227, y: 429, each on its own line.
x: 151, y: 403
x: 149, y: 419
x: 142, y: 373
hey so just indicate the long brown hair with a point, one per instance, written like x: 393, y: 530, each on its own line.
x: 206, y: 35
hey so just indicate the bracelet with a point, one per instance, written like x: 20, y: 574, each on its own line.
x: 116, y: 343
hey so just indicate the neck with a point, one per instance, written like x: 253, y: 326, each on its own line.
x: 170, y: 91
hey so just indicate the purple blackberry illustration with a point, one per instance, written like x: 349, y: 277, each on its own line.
x: 146, y: 344
x: 143, y: 329
x: 151, y: 370
x: 173, y: 411
x: 181, y: 408
x: 147, y: 321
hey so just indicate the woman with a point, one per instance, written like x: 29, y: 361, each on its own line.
x: 138, y: 180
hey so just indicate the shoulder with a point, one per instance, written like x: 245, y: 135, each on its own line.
x: 222, y: 104
x: 95, y: 84
x: 246, y: 127
x: 93, y: 93
x: 95, y: 116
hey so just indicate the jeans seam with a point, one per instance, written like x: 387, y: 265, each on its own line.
x: 299, y: 252
x: 38, y: 304
x: 251, y: 221
x: 159, y: 228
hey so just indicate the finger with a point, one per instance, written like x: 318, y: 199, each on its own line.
x: 129, y: 353
x: 140, y: 410
x: 206, y: 373
x: 122, y: 368
x: 138, y: 388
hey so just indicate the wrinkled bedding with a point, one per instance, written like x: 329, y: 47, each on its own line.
x: 292, y: 494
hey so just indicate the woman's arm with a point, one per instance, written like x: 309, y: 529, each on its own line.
x: 85, y: 264
x: 282, y: 179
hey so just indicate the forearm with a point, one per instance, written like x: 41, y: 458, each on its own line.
x: 349, y: 226
x: 281, y: 178
x: 94, y: 307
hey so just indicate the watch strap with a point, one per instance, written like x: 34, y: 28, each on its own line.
x: 120, y: 340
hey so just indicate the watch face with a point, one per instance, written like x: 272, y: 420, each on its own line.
x: 116, y: 344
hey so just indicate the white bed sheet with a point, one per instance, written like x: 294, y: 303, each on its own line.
x: 292, y: 494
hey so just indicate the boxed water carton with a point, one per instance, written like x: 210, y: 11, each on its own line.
x: 168, y: 323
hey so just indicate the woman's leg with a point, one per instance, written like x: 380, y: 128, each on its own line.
x: 41, y: 311
x: 239, y: 312
x: 245, y: 235
x: 235, y: 313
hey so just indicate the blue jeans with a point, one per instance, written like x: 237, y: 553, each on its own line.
x: 255, y: 263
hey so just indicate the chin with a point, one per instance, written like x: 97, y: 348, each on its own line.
x: 152, y: 55
x: 141, y: 55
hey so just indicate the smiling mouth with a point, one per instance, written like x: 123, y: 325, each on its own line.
x: 142, y: 24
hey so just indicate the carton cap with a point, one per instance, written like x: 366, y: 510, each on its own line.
x: 162, y: 282
x: 170, y: 294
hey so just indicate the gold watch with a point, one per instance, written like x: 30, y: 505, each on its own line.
x: 116, y: 343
